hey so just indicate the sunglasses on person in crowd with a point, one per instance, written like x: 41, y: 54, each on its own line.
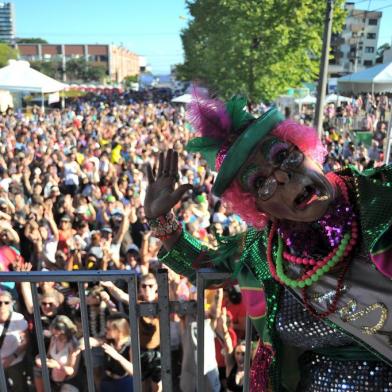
x: 4, y: 303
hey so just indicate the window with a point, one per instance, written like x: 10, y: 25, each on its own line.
x: 367, y: 63
x: 371, y: 36
x: 369, y: 49
x: 373, y: 22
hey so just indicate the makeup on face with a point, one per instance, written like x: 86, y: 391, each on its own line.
x: 277, y: 154
x: 286, y: 184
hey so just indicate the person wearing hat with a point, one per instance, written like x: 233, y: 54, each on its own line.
x: 315, y: 263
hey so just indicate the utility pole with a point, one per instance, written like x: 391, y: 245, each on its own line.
x: 322, y: 83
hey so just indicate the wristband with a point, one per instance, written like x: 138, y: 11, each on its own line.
x: 164, y: 226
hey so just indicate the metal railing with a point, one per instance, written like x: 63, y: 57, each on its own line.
x: 161, y: 309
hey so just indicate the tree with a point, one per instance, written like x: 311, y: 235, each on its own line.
x: 380, y: 52
x: 259, y: 48
x: 7, y: 53
x: 81, y: 70
x: 31, y: 41
x: 50, y: 68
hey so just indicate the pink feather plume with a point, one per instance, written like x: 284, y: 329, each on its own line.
x: 208, y: 116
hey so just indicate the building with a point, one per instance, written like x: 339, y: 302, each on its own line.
x: 7, y: 23
x: 118, y: 62
x: 355, y: 48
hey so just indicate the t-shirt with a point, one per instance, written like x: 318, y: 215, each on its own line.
x: 13, y: 337
x: 71, y: 173
x: 50, y: 248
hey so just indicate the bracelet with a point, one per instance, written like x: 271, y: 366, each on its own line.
x: 164, y: 226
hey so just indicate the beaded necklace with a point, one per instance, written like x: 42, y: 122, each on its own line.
x: 314, y: 269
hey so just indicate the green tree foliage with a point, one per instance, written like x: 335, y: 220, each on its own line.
x: 81, y: 70
x: 76, y: 70
x: 7, y: 53
x: 31, y: 41
x: 128, y: 80
x: 49, y: 68
x: 256, y: 47
x: 380, y: 52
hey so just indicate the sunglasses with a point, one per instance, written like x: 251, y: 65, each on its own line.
x: 48, y: 303
x: 145, y: 285
x: 240, y: 353
x: 4, y: 303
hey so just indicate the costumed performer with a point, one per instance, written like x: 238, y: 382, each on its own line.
x: 315, y: 264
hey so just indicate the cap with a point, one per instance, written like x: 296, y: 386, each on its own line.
x: 133, y: 248
x: 110, y: 199
x: 66, y: 218
x: 107, y: 229
x: 117, y: 211
x: 96, y: 251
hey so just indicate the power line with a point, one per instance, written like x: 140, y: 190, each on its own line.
x: 101, y: 34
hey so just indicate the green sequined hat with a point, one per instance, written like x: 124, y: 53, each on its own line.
x: 228, y: 134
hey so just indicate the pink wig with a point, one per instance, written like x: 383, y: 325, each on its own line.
x: 243, y: 203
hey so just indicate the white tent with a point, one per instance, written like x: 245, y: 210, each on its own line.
x: 376, y: 79
x: 338, y: 99
x: 307, y: 100
x: 18, y: 76
x: 186, y: 98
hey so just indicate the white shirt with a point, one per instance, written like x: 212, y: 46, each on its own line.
x: 71, y: 173
x: 50, y: 249
x: 13, y: 337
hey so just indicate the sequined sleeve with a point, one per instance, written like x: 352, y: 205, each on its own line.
x: 189, y: 254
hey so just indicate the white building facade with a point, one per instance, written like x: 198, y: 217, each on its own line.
x: 7, y: 23
x: 355, y: 48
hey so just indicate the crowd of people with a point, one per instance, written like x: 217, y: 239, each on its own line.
x: 72, y: 187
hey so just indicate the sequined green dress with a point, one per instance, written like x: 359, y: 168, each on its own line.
x: 277, y: 313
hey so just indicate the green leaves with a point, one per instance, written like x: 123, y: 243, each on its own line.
x: 6, y: 53
x: 256, y: 47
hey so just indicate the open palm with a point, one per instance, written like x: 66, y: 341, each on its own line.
x: 162, y: 194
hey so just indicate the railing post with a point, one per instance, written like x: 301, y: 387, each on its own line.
x: 248, y: 352
x: 164, y: 328
x: 133, y: 310
x: 40, y: 337
x: 86, y: 337
x: 200, y: 333
x: 3, y: 382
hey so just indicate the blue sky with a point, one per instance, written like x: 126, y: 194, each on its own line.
x: 147, y: 27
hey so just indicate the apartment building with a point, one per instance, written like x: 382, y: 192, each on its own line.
x: 7, y: 23
x: 355, y: 48
x: 118, y: 62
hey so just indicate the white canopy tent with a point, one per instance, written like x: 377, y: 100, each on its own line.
x: 17, y: 76
x: 377, y: 79
x: 186, y: 98
x: 338, y: 99
x: 307, y: 100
